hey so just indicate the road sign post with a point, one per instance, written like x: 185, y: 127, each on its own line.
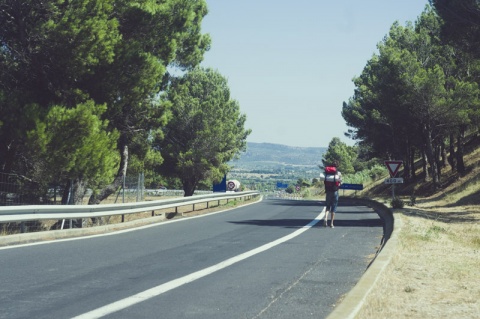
x: 393, y: 167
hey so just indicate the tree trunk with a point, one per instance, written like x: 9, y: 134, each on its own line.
x: 117, y: 182
x: 407, y: 170
x: 438, y: 158
x: 189, y: 185
x: 443, y: 152
x: 424, y: 166
x: 432, y: 160
x: 452, y: 157
x: 412, y: 163
x: 79, y: 190
x: 460, y: 150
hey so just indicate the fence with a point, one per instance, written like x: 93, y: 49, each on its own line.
x: 19, y: 190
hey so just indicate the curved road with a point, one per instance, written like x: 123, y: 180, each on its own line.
x: 273, y: 259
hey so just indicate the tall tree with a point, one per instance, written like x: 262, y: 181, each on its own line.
x: 46, y: 47
x: 113, y: 52
x: 155, y: 35
x: 206, y: 129
x: 461, y: 29
x: 402, y: 97
x: 341, y: 153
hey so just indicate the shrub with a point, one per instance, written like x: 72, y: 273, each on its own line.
x: 397, y: 203
x: 413, y: 200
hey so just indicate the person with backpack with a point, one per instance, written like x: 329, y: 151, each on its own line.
x: 332, y: 181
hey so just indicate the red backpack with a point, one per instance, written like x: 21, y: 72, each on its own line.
x: 331, y: 184
x: 330, y: 170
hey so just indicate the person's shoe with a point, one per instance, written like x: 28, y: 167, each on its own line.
x: 331, y: 226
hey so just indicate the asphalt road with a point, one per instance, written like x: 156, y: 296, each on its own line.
x: 267, y: 260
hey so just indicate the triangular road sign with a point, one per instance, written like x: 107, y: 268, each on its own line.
x: 393, y: 167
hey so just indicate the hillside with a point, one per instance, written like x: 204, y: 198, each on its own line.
x: 434, y: 273
x: 454, y: 189
x: 268, y: 154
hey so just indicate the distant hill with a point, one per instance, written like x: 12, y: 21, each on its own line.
x: 268, y: 154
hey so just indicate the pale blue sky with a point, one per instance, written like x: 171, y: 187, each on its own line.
x: 290, y: 64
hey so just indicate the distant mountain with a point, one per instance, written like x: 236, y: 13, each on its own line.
x: 260, y: 154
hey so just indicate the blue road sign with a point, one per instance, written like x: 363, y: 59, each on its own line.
x: 222, y: 186
x: 358, y: 187
x: 281, y: 185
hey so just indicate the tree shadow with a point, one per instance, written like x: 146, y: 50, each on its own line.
x: 472, y: 199
x: 291, y: 202
x: 286, y: 223
x: 343, y: 202
x: 301, y: 222
x: 454, y: 216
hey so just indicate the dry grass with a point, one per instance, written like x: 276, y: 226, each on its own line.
x: 435, y: 272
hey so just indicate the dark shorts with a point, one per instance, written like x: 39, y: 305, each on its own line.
x: 331, y: 201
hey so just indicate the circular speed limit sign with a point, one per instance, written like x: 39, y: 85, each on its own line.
x: 231, y: 185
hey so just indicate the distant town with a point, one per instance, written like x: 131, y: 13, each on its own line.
x: 268, y: 167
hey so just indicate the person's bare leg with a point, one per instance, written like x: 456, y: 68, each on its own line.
x: 326, y: 218
x: 333, y: 217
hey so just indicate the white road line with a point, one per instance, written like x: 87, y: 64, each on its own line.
x: 158, y: 290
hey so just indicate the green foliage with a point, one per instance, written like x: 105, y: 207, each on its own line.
x: 75, y: 143
x: 414, y: 94
x: 206, y: 129
x: 366, y: 176
x: 290, y: 189
x: 306, y: 193
x: 68, y: 53
x: 303, y: 183
x: 433, y: 232
x: 342, y: 154
x: 460, y: 26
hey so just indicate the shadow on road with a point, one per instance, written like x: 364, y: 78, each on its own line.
x: 290, y: 202
x: 299, y: 223
x: 343, y: 218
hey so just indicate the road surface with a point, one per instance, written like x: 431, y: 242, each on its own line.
x: 273, y: 259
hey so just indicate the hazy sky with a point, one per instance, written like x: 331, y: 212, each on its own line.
x: 290, y: 64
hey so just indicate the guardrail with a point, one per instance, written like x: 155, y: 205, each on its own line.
x: 46, y: 212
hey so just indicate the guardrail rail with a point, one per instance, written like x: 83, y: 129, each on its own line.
x: 9, y: 214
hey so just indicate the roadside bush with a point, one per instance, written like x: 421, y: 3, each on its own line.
x: 306, y: 193
x: 397, y: 203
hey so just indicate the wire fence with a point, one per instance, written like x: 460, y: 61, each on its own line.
x: 18, y: 190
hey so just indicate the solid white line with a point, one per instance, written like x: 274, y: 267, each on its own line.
x: 158, y: 290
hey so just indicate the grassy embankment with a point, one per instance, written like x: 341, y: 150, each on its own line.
x: 436, y: 269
